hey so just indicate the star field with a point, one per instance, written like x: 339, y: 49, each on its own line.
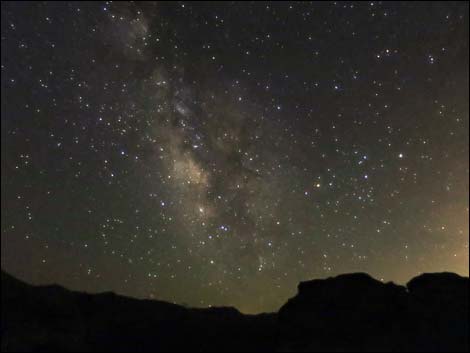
x: 218, y: 154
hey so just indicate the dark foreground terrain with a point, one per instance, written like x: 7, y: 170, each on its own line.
x: 351, y: 312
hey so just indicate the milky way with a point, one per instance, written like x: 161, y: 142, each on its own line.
x: 219, y: 154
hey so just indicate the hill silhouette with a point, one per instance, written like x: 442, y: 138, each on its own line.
x: 351, y: 312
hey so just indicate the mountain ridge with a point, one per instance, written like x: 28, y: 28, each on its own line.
x: 348, y: 312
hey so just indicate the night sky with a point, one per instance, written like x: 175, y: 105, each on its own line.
x: 218, y: 154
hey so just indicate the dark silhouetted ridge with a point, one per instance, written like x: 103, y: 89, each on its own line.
x: 351, y: 312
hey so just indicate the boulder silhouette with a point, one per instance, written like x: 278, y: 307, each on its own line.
x: 351, y: 312
x: 348, y: 312
x: 439, y: 308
